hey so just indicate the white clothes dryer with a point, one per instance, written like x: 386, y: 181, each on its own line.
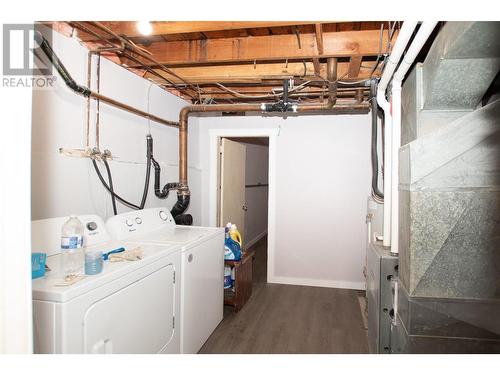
x: 202, y: 267
x: 130, y: 307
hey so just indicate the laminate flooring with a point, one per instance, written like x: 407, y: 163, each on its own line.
x: 286, y: 319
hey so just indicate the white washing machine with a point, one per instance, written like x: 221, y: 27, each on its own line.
x: 202, y: 267
x: 130, y: 307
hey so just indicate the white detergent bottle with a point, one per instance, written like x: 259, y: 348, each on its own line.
x: 72, y: 256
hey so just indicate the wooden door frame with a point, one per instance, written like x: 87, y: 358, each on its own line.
x: 214, y: 138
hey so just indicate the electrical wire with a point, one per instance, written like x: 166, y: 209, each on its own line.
x: 240, y: 95
x: 391, y: 33
x: 354, y: 82
x: 149, y: 121
x: 379, y: 49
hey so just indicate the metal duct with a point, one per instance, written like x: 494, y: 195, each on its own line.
x: 461, y: 64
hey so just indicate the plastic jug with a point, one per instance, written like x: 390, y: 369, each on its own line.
x: 235, y: 234
x: 232, y: 249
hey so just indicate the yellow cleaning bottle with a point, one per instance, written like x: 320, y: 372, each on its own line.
x: 235, y: 235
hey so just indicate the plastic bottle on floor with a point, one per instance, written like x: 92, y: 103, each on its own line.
x: 227, y: 278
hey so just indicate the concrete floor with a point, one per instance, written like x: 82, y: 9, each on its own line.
x: 290, y: 319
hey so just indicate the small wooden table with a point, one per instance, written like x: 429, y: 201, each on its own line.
x: 242, y: 281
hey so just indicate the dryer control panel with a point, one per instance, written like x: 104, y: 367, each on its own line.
x: 46, y: 233
x: 140, y: 222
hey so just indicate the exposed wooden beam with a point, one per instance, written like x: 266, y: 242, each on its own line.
x: 317, y: 67
x: 354, y: 66
x: 183, y: 27
x: 247, y: 73
x: 319, y: 37
x: 266, y: 48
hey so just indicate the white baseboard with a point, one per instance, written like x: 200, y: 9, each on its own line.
x: 256, y: 239
x: 317, y: 282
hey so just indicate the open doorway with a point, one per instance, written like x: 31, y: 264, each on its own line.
x: 243, y: 195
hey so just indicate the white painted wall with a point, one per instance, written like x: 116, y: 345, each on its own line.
x: 257, y: 166
x: 64, y: 185
x: 16, y: 336
x: 322, y: 169
x: 322, y: 181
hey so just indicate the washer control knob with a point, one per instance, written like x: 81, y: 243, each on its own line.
x: 163, y: 215
x: 91, y: 226
x: 129, y: 222
x: 138, y: 220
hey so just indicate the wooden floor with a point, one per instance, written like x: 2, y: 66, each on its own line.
x: 290, y: 319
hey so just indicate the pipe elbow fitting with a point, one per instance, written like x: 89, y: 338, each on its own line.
x: 183, y: 115
x: 381, y: 100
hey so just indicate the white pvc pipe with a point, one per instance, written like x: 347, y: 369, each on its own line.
x: 393, y: 60
x: 418, y: 42
x: 387, y: 175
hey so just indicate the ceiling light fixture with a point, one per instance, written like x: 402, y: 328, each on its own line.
x: 145, y: 27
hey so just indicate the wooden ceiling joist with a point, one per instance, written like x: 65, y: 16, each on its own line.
x: 246, y: 73
x: 187, y: 27
x: 354, y: 66
x: 266, y: 48
x: 236, y: 61
x: 319, y: 37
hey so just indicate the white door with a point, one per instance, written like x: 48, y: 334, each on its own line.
x: 138, y: 319
x: 232, y: 187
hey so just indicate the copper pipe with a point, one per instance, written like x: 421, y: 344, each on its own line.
x: 347, y: 95
x: 126, y: 107
x: 89, y: 81
x: 89, y: 75
x: 359, y: 96
x: 331, y: 74
x: 98, y: 107
x: 183, y: 126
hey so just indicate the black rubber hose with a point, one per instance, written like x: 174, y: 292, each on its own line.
x: 182, y: 199
x: 110, y: 180
x: 158, y: 192
x: 120, y: 199
x: 61, y: 69
x: 374, y: 154
x: 184, y: 219
x: 181, y: 205
x: 149, y: 155
x: 162, y: 194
